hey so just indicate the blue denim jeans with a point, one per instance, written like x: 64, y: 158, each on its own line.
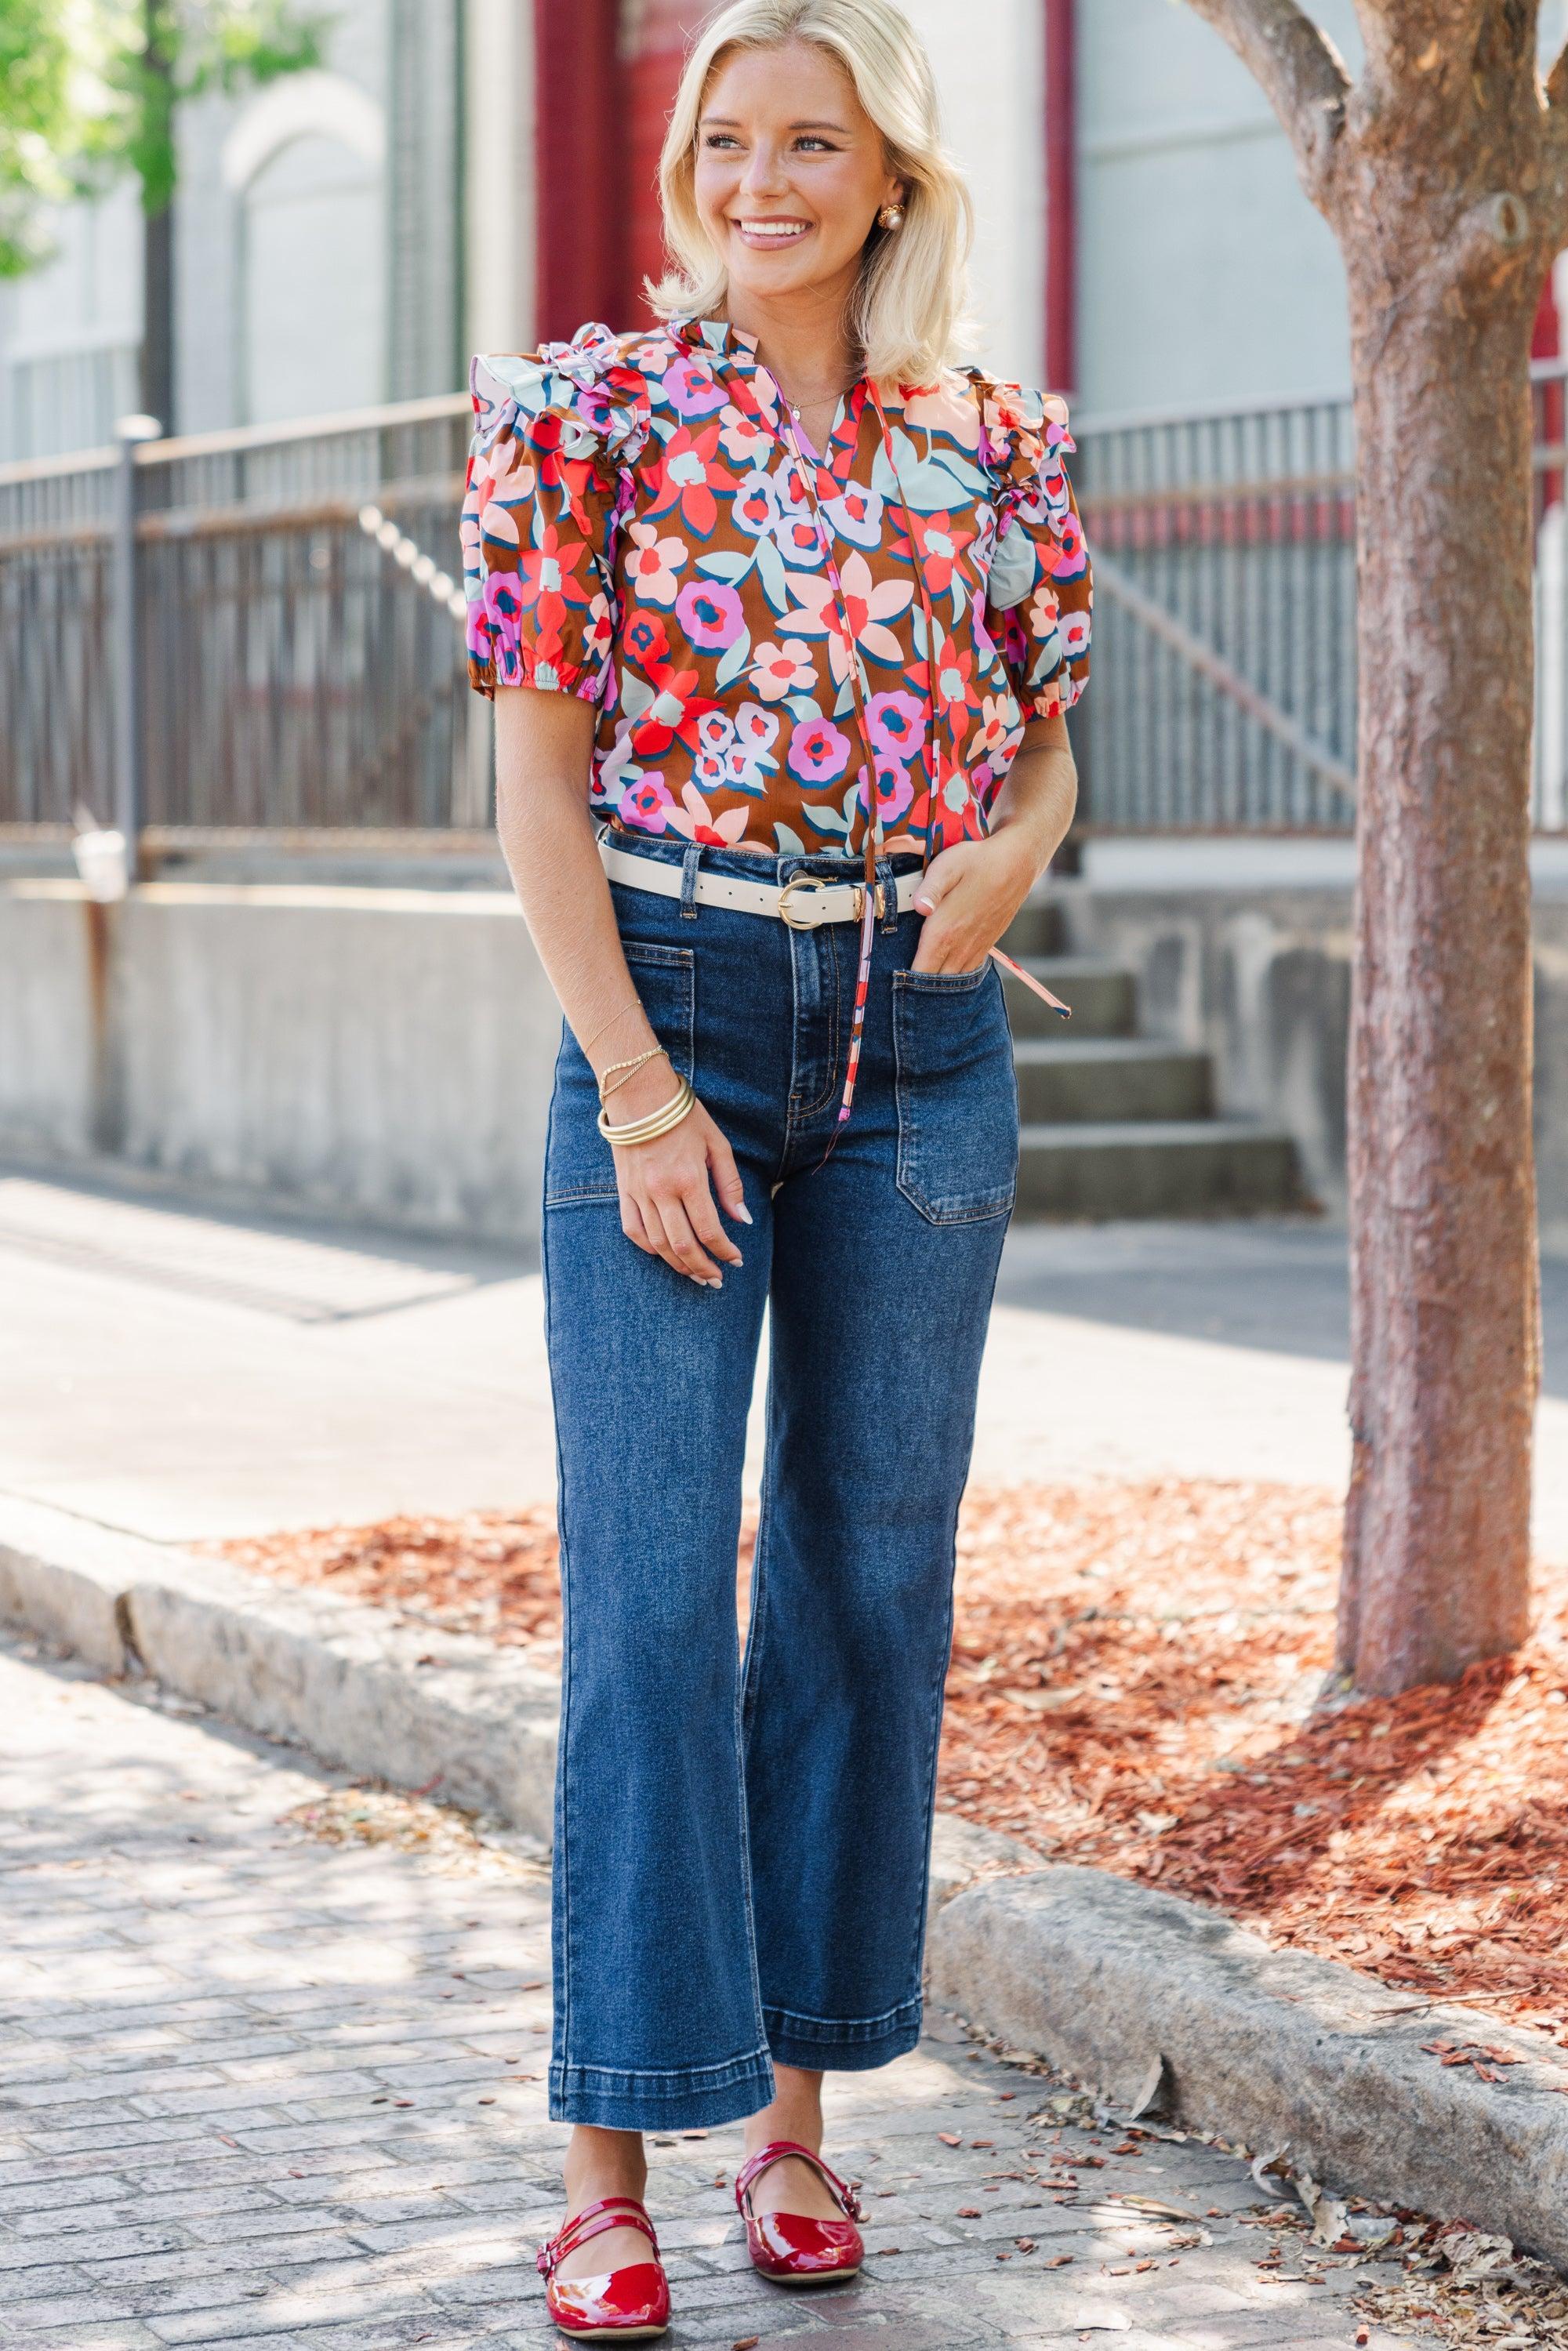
x: 741, y: 1856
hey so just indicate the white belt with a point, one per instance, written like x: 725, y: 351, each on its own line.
x: 804, y: 902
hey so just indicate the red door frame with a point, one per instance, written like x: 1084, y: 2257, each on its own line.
x: 579, y: 202
x: 1062, y: 195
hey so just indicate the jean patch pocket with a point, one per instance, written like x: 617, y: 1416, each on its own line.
x: 958, y: 1096
x: 578, y: 1163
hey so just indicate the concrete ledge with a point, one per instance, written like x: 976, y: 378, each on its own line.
x: 416, y: 1708
x: 64, y: 1579
x: 961, y: 1853
x: 1275, y: 2049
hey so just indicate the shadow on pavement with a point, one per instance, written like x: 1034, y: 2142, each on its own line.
x: 1280, y: 1285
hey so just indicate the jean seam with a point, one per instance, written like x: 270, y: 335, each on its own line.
x: 749, y: 1682
x: 940, y: 1689
x: 657, y: 954
x: 757, y: 1624
x: 743, y: 1683
x: 728, y: 2066
x: 563, y: 1989
x: 809, y: 1110
x: 848, y: 2024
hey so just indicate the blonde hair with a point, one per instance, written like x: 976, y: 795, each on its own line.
x: 906, y: 309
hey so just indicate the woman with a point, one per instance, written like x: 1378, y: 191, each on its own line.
x: 775, y: 606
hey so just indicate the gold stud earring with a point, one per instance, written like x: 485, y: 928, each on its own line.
x: 891, y: 216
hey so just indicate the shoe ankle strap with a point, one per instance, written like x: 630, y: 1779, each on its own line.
x: 594, y: 2221
x: 779, y: 2150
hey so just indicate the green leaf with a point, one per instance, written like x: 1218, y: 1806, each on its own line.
x: 772, y: 572
x: 725, y: 564
x: 35, y: 128
x: 92, y: 93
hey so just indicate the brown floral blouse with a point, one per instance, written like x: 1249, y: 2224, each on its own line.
x: 637, y: 532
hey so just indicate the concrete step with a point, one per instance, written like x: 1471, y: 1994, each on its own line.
x: 1137, y: 1167
x: 1035, y: 930
x: 1103, y: 997
x: 1110, y: 1079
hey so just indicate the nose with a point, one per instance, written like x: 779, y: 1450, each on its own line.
x: 764, y: 174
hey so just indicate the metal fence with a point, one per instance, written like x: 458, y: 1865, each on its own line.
x: 1225, y: 660
x: 295, y: 659
x: 295, y: 662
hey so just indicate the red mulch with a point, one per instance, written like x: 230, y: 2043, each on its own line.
x: 1132, y: 1687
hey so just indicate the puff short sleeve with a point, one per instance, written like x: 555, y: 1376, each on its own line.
x: 1041, y: 596
x: 556, y: 431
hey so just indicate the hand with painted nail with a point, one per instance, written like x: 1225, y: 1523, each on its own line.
x: 968, y: 894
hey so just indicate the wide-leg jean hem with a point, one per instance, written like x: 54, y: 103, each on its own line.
x: 699, y: 2099
x: 820, y: 2044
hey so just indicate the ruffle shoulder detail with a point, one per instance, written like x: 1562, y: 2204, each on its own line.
x: 1024, y: 438
x: 583, y: 400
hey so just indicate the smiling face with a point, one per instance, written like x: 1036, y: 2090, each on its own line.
x: 790, y: 171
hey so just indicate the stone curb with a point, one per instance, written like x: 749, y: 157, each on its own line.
x: 1101, y: 1977
x: 421, y: 1709
x: 1276, y: 2050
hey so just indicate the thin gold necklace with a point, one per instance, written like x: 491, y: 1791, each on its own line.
x: 810, y: 400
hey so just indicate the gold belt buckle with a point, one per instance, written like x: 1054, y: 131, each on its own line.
x: 803, y: 921
x: 817, y: 882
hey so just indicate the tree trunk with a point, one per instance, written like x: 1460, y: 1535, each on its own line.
x: 158, y: 221
x: 158, y: 315
x: 1442, y: 1196
x: 1443, y: 172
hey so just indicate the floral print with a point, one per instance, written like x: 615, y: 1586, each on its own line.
x: 636, y: 532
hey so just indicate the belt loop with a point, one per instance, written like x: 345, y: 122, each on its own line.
x: 887, y: 882
x: 689, y: 863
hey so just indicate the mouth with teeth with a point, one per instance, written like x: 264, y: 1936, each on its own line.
x: 771, y: 236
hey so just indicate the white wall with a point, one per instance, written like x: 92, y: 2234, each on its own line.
x: 382, y: 1054
x: 499, y: 172
x: 1204, y: 273
x: 313, y: 270
x: 989, y: 61
x: 70, y: 332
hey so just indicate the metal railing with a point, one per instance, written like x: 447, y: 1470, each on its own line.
x: 295, y: 659
x: 295, y: 662
x: 1225, y: 618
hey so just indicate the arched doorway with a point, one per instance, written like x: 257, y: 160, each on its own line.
x: 307, y: 166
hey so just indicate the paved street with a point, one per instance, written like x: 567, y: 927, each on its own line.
x: 187, y: 1375
x: 257, y: 2088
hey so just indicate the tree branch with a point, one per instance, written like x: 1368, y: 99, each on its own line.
x: 1299, y: 70
x: 1557, y: 82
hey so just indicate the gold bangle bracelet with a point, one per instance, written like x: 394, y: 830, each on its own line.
x: 680, y: 1104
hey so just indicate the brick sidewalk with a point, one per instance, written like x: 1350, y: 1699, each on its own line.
x: 262, y: 2089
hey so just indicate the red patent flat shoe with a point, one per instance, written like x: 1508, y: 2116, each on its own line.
x: 794, y: 2248
x: 627, y: 2306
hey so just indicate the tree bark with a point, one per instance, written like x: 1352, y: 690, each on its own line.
x: 1442, y: 174
x: 1442, y: 1196
x: 157, y: 381
x: 157, y: 372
